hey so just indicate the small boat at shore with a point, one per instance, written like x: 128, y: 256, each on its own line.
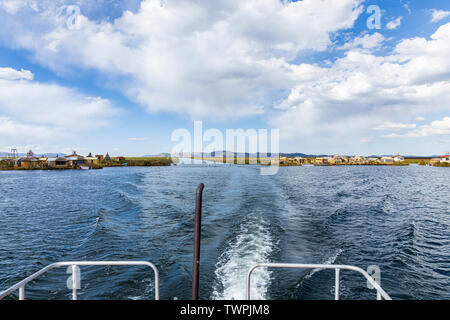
x: 85, y: 168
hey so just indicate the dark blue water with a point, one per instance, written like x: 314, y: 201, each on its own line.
x: 397, y: 218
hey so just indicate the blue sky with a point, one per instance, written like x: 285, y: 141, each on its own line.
x: 121, y: 76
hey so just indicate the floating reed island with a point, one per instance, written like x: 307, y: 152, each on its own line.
x: 336, y: 160
x: 77, y: 162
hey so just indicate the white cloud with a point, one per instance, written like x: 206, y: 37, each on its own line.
x: 138, y: 139
x: 31, y: 111
x: 12, y: 6
x: 362, y: 91
x: 11, y: 130
x: 12, y: 74
x: 50, y: 104
x: 406, y: 6
x: 439, y: 127
x: 387, y: 126
x: 394, y: 24
x: 227, y: 58
x: 438, y: 15
x: 368, y: 41
x: 217, y: 59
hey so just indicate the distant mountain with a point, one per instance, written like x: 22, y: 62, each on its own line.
x: 219, y: 154
x: 52, y: 155
x: 4, y: 154
x: 421, y: 157
x: 161, y: 155
x: 45, y: 155
x: 408, y: 157
x: 8, y: 154
x: 303, y: 155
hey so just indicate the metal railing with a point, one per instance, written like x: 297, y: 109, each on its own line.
x: 380, y: 292
x: 75, y: 281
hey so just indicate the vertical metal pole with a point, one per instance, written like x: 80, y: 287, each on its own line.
x: 22, y: 293
x: 74, y: 282
x: 336, y: 285
x: 249, y: 275
x: 156, y: 284
x: 197, y: 237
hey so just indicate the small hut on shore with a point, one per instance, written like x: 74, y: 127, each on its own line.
x: 91, y: 159
x: 75, y: 160
x: 28, y: 162
x: 58, y: 162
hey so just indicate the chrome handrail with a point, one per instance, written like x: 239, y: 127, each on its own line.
x: 21, y: 285
x: 380, y: 292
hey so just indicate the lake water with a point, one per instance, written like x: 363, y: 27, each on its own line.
x: 397, y: 218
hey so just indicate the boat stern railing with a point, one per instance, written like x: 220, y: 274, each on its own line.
x: 381, y: 294
x: 75, y: 281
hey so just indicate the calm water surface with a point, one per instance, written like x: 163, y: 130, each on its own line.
x: 395, y: 217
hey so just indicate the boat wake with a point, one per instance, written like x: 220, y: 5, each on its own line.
x: 252, y: 245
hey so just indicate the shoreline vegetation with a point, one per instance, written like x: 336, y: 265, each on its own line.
x: 6, y: 165
x: 107, y: 162
x: 140, y: 162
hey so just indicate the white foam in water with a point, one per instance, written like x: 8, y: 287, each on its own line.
x: 253, y: 245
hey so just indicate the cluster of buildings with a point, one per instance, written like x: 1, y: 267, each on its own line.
x: 342, y: 160
x: 31, y: 161
x: 357, y: 160
x: 441, y: 160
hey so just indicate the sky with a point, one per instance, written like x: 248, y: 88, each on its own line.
x: 334, y: 76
